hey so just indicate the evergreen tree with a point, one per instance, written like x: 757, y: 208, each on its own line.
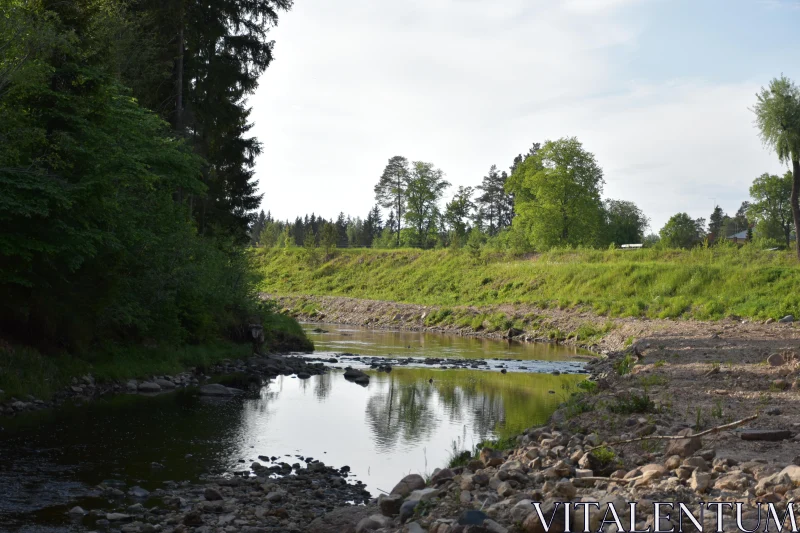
x: 715, y: 223
x: 390, y: 192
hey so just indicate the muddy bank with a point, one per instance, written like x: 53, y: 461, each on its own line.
x: 658, y: 378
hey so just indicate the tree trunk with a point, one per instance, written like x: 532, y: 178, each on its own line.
x: 179, y: 89
x: 179, y: 79
x: 794, y: 202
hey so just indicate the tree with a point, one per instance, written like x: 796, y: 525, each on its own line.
x: 715, y: 223
x: 310, y: 248
x: 390, y: 192
x: 425, y: 188
x: 770, y: 208
x: 520, y: 158
x: 625, y: 222
x: 329, y: 237
x: 778, y: 119
x: 557, y: 195
x: 681, y: 231
x: 457, y: 213
x: 373, y: 226
x: 496, y: 203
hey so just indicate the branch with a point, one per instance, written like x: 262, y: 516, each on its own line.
x: 679, y: 437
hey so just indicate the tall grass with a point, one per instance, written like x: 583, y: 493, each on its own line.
x: 702, y: 283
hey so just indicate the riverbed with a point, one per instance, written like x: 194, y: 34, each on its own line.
x: 408, y: 420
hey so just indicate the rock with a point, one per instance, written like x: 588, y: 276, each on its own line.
x: 340, y: 520
x: 215, y: 389
x: 138, y: 493
x: 77, y: 511
x: 408, y: 484
x: 491, y: 457
x: 505, y: 489
x: 566, y: 489
x: 700, y: 481
x: 353, y: 373
x: 212, y: 494
x: 788, y: 319
x: 775, y: 359
x: 472, y: 518
x: 407, y: 510
x: 735, y: 481
x: 684, y: 447
x: 303, y: 375
x: 131, y: 385
x: 765, y: 434
x: 117, y: 517
x: 148, y: 386
x: 413, y: 527
x: 390, y: 505
x: 445, y: 474
x: 275, y: 496
x: 373, y: 522
x: 422, y: 495
x: 164, y: 384
x: 193, y: 518
x: 493, y: 527
x: 475, y: 465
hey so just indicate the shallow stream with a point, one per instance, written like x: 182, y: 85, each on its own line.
x: 408, y: 420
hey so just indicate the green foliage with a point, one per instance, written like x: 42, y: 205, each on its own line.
x: 624, y: 365
x: 778, y: 119
x: 681, y: 231
x: 97, y: 192
x: 771, y: 210
x: 591, y: 332
x: 328, y: 238
x: 557, y: 195
x: 630, y: 403
x: 426, y: 186
x: 604, y: 456
x: 625, y: 222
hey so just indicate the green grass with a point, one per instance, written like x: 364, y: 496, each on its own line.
x: 632, y: 403
x: 703, y: 283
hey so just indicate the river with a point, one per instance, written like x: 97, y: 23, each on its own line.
x: 405, y: 421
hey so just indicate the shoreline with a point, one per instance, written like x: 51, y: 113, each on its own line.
x: 656, y: 379
x: 676, y: 378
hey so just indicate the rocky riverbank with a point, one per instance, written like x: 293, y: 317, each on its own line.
x: 697, y: 412
x: 275, y: 497
x: 241, y: 373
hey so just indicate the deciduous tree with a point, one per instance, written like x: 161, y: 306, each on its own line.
x: 777, y: 113
x: 557, y: 195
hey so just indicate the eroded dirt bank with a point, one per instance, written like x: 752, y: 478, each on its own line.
x: 656, y: 378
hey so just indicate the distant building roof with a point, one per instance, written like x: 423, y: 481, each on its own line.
x: 740, y: 235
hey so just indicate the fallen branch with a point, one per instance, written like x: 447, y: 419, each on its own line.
x: 678, y: 437
x: 610, y: 479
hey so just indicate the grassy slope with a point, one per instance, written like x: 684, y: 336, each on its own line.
x: 702, y: 283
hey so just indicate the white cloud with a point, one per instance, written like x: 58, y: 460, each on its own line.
x: 465, y: 86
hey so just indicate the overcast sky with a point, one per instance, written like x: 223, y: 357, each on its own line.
x: 659, y: 90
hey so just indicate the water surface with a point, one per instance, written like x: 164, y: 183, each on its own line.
x: 408, y: 420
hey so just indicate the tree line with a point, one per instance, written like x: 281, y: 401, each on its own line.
x: 126, y: 167
x: 552, y: 196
